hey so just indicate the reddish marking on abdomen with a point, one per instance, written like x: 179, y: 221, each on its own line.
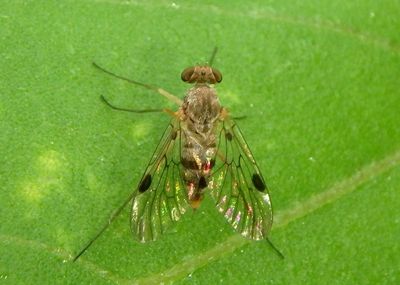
x: 208, y: 166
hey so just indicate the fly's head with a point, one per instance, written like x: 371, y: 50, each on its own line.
x: 201, y: 74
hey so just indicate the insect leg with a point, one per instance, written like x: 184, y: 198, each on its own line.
x: 168, y: 111
x: 160, y: 91
x: 110, y: 220
x: 280, y: 254
x: 129, y: 110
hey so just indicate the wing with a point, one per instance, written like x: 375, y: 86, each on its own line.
x: 238, y: 187
x: 161, y: 198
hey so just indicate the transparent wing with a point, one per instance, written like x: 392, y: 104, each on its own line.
x: 161, y: 197
x: 238, y: 187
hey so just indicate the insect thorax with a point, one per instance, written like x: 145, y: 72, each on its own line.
x: 202, y: 110
x: 201, y: 106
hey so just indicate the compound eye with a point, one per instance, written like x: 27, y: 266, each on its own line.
x: 187, y: 74
x: 217, y: 75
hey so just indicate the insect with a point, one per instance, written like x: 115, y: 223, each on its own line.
x: 201, y: 151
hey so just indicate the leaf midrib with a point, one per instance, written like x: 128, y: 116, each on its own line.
x: 282, y: 219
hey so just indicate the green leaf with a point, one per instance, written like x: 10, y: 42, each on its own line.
x: 318, y: 83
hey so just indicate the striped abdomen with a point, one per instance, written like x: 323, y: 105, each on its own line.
x: 198, y: 159
x: 201, y: 110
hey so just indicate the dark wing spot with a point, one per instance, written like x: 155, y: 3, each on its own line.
x: 173, y: 135
x: 257, y: 182
x: 202, y: 183
x: 228, y: 136
x: 145, y: 183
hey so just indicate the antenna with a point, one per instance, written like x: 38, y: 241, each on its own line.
x: 210, y: 62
